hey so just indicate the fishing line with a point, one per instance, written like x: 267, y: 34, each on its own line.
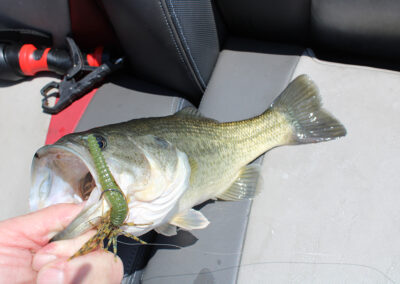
x: 179, y: 247
x: 383, y: 274
x: 386, y: 276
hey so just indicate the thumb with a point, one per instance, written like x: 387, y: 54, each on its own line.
x: 96, y: 267
x: 34, y: 230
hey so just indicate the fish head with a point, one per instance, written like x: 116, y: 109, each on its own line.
x: 152, y: 173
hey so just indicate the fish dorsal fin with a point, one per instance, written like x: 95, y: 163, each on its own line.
x: 191, y: 112
x: 245, y: 186
x: 166, y: 230
x: 190, y: 219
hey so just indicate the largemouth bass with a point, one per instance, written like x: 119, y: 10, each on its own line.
x: 167, y: 165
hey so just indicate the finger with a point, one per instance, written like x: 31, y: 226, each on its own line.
x: 34, y: 230
x: 95, y: 267
x: 60, y: 250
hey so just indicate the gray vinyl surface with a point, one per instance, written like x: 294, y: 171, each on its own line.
x: 24, y: 129
x: 329, y: 212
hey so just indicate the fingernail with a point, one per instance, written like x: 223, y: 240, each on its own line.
x: 51, y: 275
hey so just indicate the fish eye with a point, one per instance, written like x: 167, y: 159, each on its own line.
x: 101, y: 141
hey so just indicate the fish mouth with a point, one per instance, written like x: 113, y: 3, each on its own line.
x: 61, y: 174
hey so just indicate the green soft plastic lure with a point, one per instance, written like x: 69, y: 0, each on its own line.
x: 113, y: 194
x: 110, y: 223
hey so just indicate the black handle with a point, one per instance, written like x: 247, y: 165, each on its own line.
x: 70, y: 90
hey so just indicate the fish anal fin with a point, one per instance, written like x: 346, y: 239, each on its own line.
x: 166, y: 230
x: 190, y: 220
x: 245, y: 186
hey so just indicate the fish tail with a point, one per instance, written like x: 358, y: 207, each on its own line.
x: 301, y: 105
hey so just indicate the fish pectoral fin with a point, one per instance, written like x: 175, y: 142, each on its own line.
x: 190, y: 220
x: 245, y: 186
x: 192, y: 112
x: 166, y: 230
x: 88, y: 218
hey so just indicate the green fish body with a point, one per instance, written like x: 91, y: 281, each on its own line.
x: 218, y: 154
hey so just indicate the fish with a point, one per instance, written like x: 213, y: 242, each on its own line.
x: 167, y: 165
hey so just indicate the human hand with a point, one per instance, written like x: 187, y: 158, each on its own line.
x: 26, y: 256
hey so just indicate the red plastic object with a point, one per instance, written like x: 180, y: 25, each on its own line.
x: 94, y: 59
x: 66, y: 121
x: 29, y: 66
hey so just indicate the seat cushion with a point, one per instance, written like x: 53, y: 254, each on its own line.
x: 24, y: 129
x: 127, y: 98
x: 331, y: 210
x: 172, y: 43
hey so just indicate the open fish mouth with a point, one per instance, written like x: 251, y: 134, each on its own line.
x: 61, y: 174
x: 153, y: 177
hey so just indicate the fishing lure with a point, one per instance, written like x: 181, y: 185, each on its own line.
x: 113, y: 194
x: 109, y: 225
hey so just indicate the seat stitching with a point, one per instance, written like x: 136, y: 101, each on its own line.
x: 171, y: 33
x: 180, y: 30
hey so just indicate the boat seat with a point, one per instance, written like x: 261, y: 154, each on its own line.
x: 327, y: 211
